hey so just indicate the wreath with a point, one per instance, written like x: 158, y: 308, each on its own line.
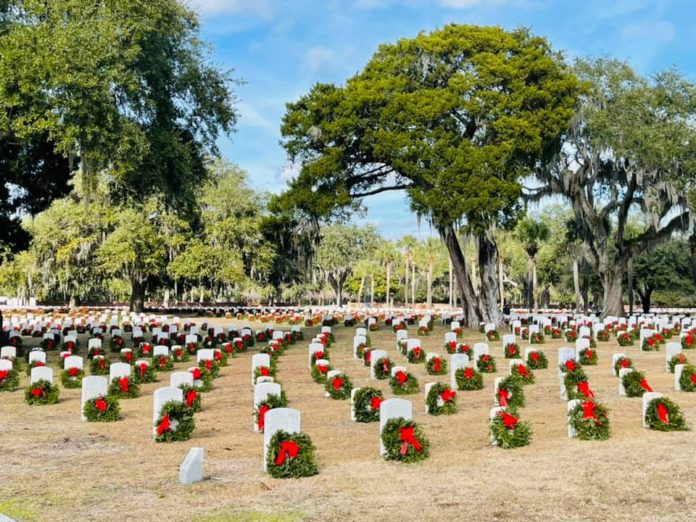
x: 510, y: 393
x: 116, y: 343
x: 680, y: 358
x: 319, y: 372
x: 212, y: 368
x: 622, y: 363
x: 571, y: 336
x: 423, y: 330
x: 126, y: 357
x: 42, y: 392
x: 192, y: 398
x: 99, y: 366
x: 436, y: 366
x: 203, y: 378
x: 624, y: 339
x: 339, y: 387
x: 373, y: 327
x: 162, y: 363
x: 48, y: 344
x: 145, y: 372
x: 102, y: 409
x: 635, y: 385
x: 359, y: 350
x: 522, y: 373
x: 383, y: 367
x: 590, y: 420
x: 512, y: 351
x: 492, y: 335
x: 416, y: 355
x: 175, y: 422
x: 70, y: 346
x: 9, y: 380
x: 537, y: 360
x: 404, y: 440
x: 291, y: 455
x: 556, y: 333
x: 547, y: 329
x: 441, y: 400
x: 577, y: 386
x: 687, y: 342
x: 366, y: 403
x: 658, y: 337
x: 486, y: 363
x: 508, y: 431
x: 72, y: 377
x: 367, y: 356
x: 651, y: 344
x: 603, y: 335
x: 34, y: 364
x: 536, y: 338
x: 271, y: 401
x: 319, y: 355
x: 403, y: 383
x: 588, y: 357
x: 664, y: 415
x: 124, y: 388
x: 687, y: 381
x: 144, y: 350
x: 179, y: 355
x: 468, y: 379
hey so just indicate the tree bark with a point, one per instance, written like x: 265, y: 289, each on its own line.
x: 535, y: 299
x: 645, y: 299
x: 386, y: 298
x: 576, y: 286
x: 612, y: 302
x: 360, y: 290
x: 630, y: 286
x: 137, y: 300
x: 501, y: 282
x: 430, y: 285
x: 488, y: 272
x: 372, y: 290
x: 470, y: 305
x: 530, y: 286
x: 413, y: 285
x: 451, y: 283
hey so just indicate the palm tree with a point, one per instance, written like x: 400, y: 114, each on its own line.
x: 407, y: 245
x: 386, y: 253
x: 531, y: 233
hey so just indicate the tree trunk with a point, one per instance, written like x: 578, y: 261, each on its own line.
x: 501, y: 282
x: 137, y: 300
x: 360, y: 290
x: 612, y: 302
x: 630, y: 286
x: 429, y: 282
x: 166, y: 298
x: 372, y: 291
x: 645, y: 299
x: 535, y: 300
x: 451, y: 283
x: 488, y: 271
x: 692, y: 248
x: 470, y: 305
x: 576, y: 286
x: 413, y: 285
x: 407, y: 271
x: 530, y: 286
x: 386, y: 298
x: 73, y: 302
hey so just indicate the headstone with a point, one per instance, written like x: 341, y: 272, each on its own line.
x: 73, y: 361
x: 581, y: 344
x: 678, y: 369
x: 192, y: 468
x: 41, y: 373
x: 615, y: 357
x: 647, y: 397
x: 479, y: 350
x: 457, y: 361
x: 177, y: 379
x: 8, y: 352
x: 492, y: 414
x: 572, y: 433
x: 450, y: 337
x: 671, y: 349
x: 206, y: 354
x: 279, y: 419
x: 375, y: 355
x: 160, y: 350
x: 357, y: 341
x: 160, y: 398
x: 118, y: 370
x: 622, y: 372
x: 314, y: 348
x: 565, y: 354
x: 390, y: 409
x: 37, y: 355
x: 261, y: 392
x: 352, y: 403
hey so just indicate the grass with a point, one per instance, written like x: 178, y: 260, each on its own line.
x: 16, y: 511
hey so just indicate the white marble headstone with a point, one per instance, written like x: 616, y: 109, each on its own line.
x: 390, y: 409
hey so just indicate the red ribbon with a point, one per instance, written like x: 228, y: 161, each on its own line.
x: 468, y: 373
x: 509, y: 421
x: 503, y: 397
x: 417, y: 353
x: 208, y: 364
x: 385, y: 365
x: 288, y: 449
x: 337, y: 383
x: 407, y: 437
x: 401, y: 377
x: 218, y: 356
x: 37, y: 392
x: 123, y: 383
x: 534, y: 356
x: 693, y: 378
x: 448, y: 395
x: 522, y: 370
x: 102, y: 364
x: 512, y: 350
x: 162, y: 361
x: 318, y: 355
x: 663, y: 413
x: 128, y: 356
x: 588, y: 408
x: 368, y: 355
x: 4, y: 374
x: 375, y: 402
x: 570, y: 365
x: 164, y: 425
x: 38, y: 364
x: 262, y: 416
x: 436, y: 364
x: 73, y: 372
x: 452, y: 345
x: 190, y: 397
x: 644, y: 384
x: 323, y: 368
x: 101, y: 405
x: 196, y: 372
x: 584, y: 388
x: 588, y: 354
x: 625, y: 363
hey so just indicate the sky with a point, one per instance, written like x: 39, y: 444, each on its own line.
x: 280, y: 48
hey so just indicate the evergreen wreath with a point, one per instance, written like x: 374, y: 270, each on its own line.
x: 508, y: 431
x: 162, y: 363
x: 588, y: 357
x: 486, y: 363
x: 319, y: 373
x: 404, y: 441
x: 687, y: 381
x: 366, y: 403
x: 536, y: 338
x: 144, y: 350
x: 213, y: 368
x: 291, y: 455
x: 441, y: 400
x: 523, y: 374
x: 510, y: 393
x: 662, y: 414
x: 650, y: 344
x: 102, y: 409
x: 468, y: 379
x: 124, y: 388
x: 34, y: 364
x: 590, y: 420
x: 367, y: 356
x: 320, y: 355
x: 339, y: 387
x: 179, y: 355
x: 99, y: 366
x: 203, y: 378
x: 403, y: 383
x: 175, y: 422
x: 72, y: 378
x: 635, y: 384
x: 688, y: 342
x: 624, y: 339
x: 192, y: 398
x: 571, y: 336
x: 603, y: 335
x: 116, y: 343
x: 623, y: 363
x: 144, y: 373
x: 41, y: 392
x: 512, y: 351
x: 556, y: 333
x: 416, y: 355
x: 9, y: 380
x: 436, y: 366
x: 272, y: 401
x: 680, y: 358
x: 492, y: 335
x: 537, y: 360
x: 383, y: 367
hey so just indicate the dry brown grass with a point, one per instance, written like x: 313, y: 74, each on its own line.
x: 55, y: 467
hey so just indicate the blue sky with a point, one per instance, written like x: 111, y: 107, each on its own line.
x: 280, y: 48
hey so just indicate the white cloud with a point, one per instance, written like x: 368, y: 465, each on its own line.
x: 253, y: 118
x: 655, y: 31
x: 261, y: 8
x: 290, y: 171
x: 319, y: 56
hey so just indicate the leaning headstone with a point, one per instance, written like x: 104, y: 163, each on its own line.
x: 92, y: 387
x: 390, y: 409
x: 192, y: 468
x: 647, y: 397
x: 279, y: 419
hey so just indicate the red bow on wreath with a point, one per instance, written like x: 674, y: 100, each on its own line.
x: 4, y: 374
x: 385, y: 365
x: 407, y: 437
x: 142, y: 368
x: 128, y: 356
x: 73, y: 372
x: 522, y: 370
x: 436, y: 364
x: 447, y: 395
x: 588, y: 354
x: 208, y: 364
x: 217, y: 355
x: 693, y: 378
x: 468, y: 373
x: 337, y: 383
x: 584, y: 388
x: 534, y: 356
x: 190, y: 397
x: 288, y: 449
x: 262, y: 416
x: 452, y: 345
x: 503, y: 396
x: 644, y: 384
x: 38, y: 364
x: 663, y: 413
x: 162, y: 361
x: 588, y: 408
x: 375, y: 403
x: 417, y: 353
x: 123, y: 383
x: 368, y: 355
x: 322, y: 368
x: 38, y: 392
x: 101, y: 405
x: 196, y: 372
x: 401, y: 377
x: 318, y: 355
x: 509, y: 421
x: 570, y: 365
x: 164, y: 425
x: 625, y: 363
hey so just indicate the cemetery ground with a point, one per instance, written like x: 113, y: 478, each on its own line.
x: 55, y: 467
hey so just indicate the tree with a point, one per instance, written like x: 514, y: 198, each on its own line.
x: 341, y: 247
x: 531, y: 233
x: 430, y: 255
x: 455, y: 118
x: 630, y: 139
x: 387, y: 255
